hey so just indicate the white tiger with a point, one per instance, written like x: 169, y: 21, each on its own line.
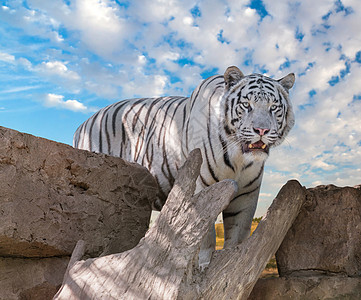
x: 234, y: 120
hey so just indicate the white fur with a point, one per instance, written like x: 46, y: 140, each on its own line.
x: 160, y: 133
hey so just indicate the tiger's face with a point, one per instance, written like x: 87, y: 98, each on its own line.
x: 258, y: 112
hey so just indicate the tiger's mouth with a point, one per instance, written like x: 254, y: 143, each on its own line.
x: 257, y: 146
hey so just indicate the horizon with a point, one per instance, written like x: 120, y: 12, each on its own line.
x: 63, y: 60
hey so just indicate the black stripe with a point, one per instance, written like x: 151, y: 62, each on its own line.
x: 165, y: 163
x: 107, y: 134
x: 228, y: 130
x: 245, y: 193
x: 136, y: 116
x: 187, y: 129
x: 141, y: 141
x: 248, y: 166
x: 152, y: 129
x: 161, y: 194
x: 77, y: 136
x: 91, y: 129
x: 162, y: 126
x: 118, y: 106
x: 175, y: 110
x: 227, y: 106
x: 100, y: 142
x: 150, y: 159
x: 269, y: 85
x: 203, y: 180
x: 213, y: 79
x: 134, y: 104
x: 239, y: 94
x: 271, y: 89
x: 196, y: 96
x: 105, y: 114
x: 208, y: 123
x: 254, y: 179
x: 170, y: 176
x: 186, y: 138
x: 184, y: 115
x: 208, y: 81
x: 229, y: 215
x: 149, y: 145
x: 184, y: 120
x: 150, y: 109
x: 225, y: 153
x: 153, y: 124
x: 124, y: 136
x: 232, y: 214
x: 86, y: 125
x: 209, y: 165
x: 144, y: 129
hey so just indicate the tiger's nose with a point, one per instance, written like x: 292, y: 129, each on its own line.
x: 261, y: 131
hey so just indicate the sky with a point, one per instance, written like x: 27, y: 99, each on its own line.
x: 61, y: 61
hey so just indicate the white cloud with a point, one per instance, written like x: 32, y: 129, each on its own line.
x: 57, y: 101
x: 7, y: 57
x: 152, y: 86
x: 25, y: 63
x: 60, y: 69
x: 101, y: 27
x: 19, y: 89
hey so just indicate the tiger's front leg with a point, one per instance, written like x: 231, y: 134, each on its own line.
x: 237, y: 218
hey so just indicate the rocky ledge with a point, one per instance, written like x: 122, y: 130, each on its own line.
x: 53, y: 195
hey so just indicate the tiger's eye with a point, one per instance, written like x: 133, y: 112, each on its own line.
x: 245, y: 104
x: 274, y: 107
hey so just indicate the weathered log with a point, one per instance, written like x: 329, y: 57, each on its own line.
x: 77, y: 255
x: 233, y: 273
x: 161, y: 265
x: 155, y: 268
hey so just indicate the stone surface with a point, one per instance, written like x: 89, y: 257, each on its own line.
x: 326, y: 236
x: 31, y: 279
x: 53, y: 195
x: 310, y: 288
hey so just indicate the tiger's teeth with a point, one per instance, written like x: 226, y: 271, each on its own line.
x: 264, y: 146
x: 250, y: 146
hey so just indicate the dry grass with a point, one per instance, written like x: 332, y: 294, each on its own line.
x: 271, y: 268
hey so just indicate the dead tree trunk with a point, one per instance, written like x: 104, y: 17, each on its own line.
x: 161, y: 265
x: 234, y: 272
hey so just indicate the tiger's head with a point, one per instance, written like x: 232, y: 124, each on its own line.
x: 258, y: 112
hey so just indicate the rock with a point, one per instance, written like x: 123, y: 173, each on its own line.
x: 27, y: 279
x: 53, y: 195
x: 320, y: 257
x: 310, y: 288
x: 326, y: 236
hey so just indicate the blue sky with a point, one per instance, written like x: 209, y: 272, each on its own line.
x: 61, y: 60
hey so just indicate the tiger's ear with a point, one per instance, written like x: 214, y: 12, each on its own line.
x: 232, y: 76
x: 287, y: 81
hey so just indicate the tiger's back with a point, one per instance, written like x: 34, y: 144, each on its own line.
x: 157, y: 133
